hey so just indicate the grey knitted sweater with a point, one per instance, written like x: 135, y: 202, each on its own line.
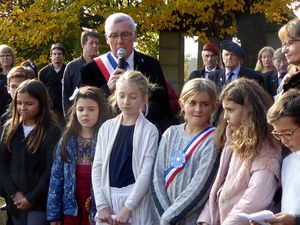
x: 185, y: 197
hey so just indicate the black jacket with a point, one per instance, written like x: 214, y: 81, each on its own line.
x: 29, y: 173
x: 71, y: 80
x: 271, y: 82
x: 294, y: 82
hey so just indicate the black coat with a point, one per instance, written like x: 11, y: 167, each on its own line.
x: 5, y: 98
x: 294, y: 82
x: 159, y: 109
x: 27, y: 172
x: 271, y: 82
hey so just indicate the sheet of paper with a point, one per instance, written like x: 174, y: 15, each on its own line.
x: 259, y: 217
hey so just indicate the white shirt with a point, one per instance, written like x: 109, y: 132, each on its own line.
x: 27, y: 129
x: 290, y: 202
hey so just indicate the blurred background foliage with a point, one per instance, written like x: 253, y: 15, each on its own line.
x: 31, y: 26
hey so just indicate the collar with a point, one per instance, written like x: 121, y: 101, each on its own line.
x: 129, y: 60
x: 235, y: 71
x: 208, y: 71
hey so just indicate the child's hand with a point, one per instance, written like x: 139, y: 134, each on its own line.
x: 88, y: 203
x: 104, y: 215
x: 123, y: 216
x: 283, y: 219
x: 17, y: 196
x: 55, y: 222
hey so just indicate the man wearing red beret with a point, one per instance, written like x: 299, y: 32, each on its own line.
x: 210, y: 58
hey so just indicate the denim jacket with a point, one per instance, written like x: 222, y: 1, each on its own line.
x: 62, y: 188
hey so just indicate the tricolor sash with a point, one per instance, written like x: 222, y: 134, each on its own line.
x: 106, y: 64
x: 173, y: 170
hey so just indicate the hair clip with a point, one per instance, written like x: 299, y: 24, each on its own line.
x: 74, y: 95
x: 32, y: 64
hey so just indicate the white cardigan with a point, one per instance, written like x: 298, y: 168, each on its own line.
x: 145, y: 145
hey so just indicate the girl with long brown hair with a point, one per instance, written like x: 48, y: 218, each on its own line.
x: 26, y: 153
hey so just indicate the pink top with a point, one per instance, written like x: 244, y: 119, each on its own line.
x: 242, y: 185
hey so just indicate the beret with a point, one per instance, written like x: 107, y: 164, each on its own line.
x: 278, y: 54
x: 231, y: 46
x: 211, y: 47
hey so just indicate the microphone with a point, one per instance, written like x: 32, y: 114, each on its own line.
x: 122, y: 64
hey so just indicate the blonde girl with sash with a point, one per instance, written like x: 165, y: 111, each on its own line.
x: 248, y: 174
x: 187, y: 161
x: 124, y: 157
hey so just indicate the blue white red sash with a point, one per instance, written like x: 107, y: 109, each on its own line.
x: 192, y: 146
x: 106, y: 64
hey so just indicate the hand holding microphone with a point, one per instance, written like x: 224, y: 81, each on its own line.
x: 122, y: 64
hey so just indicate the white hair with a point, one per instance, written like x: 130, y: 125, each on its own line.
x: 116, y: 18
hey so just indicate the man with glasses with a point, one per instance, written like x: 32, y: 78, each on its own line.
x: 51, y: 76
x: 103, y: 71
x: 273, y: 78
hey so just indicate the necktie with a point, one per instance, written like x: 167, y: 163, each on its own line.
x: 229, y: 77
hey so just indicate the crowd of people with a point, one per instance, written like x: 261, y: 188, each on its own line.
x: 93, y: 142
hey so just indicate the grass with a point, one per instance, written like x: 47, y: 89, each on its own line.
x: 2, y: 213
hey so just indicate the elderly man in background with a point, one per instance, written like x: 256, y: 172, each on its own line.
x: 232, y: 56
x: 273, y: 79
x: 104, y: 71
x: 210, y: 59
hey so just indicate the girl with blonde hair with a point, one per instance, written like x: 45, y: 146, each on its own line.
x: 187, y: 160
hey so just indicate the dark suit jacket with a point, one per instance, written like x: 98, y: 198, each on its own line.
x: 219, y: 77
x: 159, y: 109
x: 198, y: 73
x: 271, y: 82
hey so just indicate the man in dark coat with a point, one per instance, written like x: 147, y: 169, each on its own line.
x: 210, y: 58
x: 120, y: 32
x: 232, y: 55
x: 274, y: 78
x: 89, y: 43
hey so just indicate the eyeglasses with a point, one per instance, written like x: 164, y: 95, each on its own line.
x: 288, y: 43
x: 5, y: 56
x: 286, y: 135
x: 123, y: 36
